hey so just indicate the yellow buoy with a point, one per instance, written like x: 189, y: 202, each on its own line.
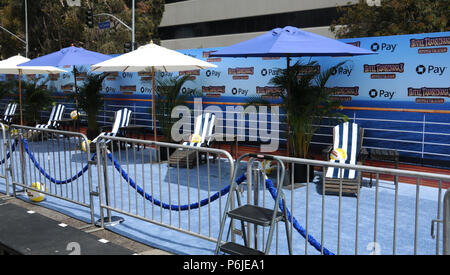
x: 338, y: 154
x: 196, y: 138
x: 74, y: 114
x: 34, y: 195
x: 84, y: 146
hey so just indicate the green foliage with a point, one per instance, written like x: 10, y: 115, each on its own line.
x: 306, y: 104
x: 169, y: 96
x: 35, y: 98
x: 52, y: 25
x: 6, y: 88
x: 393, y: 17
x: 90, y: 99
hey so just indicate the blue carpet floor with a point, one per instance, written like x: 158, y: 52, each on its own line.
x: 189, y: 186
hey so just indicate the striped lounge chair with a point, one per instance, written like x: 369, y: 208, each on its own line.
x: 347, y: 136
x: 204, y: 126
x: 9, y: 113
x: 55, y: 117
x: 202, y: 136
x: 122, y: 119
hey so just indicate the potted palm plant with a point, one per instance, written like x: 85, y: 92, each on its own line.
x: 169, y: 95
x: 90, y: 100
x: 35, y: 99
x: 306, y: 105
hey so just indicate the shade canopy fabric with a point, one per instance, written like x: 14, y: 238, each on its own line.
x: 11, y: 66
x: 152, y: 56
x: 70, y: 56
x: 290, y: 41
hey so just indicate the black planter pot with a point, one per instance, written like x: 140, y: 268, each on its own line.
x: 165, y: 152
x: 300, y: 175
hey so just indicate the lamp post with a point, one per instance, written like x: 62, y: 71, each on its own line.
x: 132, y: 29
x: 26, y: 29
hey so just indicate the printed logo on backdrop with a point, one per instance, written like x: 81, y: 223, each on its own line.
x: 81, y: 76
x: 429, y: 45
x: 384, y: 71
x: 66, y: 76
x: 384, y: 94
x: 241, y: 73
x: 212, y: 59
x: 212, y: 73
x: 145, y: 90
x: 110, y: 89
x: 308, y: 70
x: 192, y: 74
x: 213, y: 91
x: 126, y: 75
x: 68, y: 88
x: 429, y: 95
x: 269, y: 72
x: 112, y: 76
x: 188, y: 91
x: 269, y: 92
x: 343, y: 70
x: 53, y: 77
x: 239, y: 91
x: 145, y: 76
x: 343, y: 94
x: 127, y: 89
x: 383, y: 47
x: 431, y: 69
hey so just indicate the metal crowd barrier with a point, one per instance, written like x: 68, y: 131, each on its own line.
x: 446, y: 238
x: 337, y: 210
x: 188, y: 194
x: 55, y: 159
x: 139, y: 179
x: 5, y: 164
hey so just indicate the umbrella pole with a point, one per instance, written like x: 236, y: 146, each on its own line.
x: 288, y: 124
x: 76, y: 93
x: 20, y: 96
x: 153, y: 104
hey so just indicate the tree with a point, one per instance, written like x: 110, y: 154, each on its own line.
x: 392, y: 17
x: 53, y: 25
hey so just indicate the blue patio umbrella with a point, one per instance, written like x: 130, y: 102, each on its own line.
x: 70, y: 56
x: 290, y: 42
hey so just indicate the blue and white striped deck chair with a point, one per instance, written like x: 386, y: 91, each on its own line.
x: 55, y: 116
x: 204, y: 126
x: 9, y: 113
x: 348, y: 136
x: 122, y: 119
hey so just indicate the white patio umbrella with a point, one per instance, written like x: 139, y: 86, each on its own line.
x: 9, y: 66
x: 155, y: 57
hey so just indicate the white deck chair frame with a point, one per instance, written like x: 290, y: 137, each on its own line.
x: 204, y: 126
x: 9, y: 112
x: 55, y: 115
x: 122, y: 119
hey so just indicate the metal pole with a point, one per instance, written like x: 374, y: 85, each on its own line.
x: 153, y: 104
x: 132, y: 26
x: 26, y: 29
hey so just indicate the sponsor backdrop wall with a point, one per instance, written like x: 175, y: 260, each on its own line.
x: 400, y: 95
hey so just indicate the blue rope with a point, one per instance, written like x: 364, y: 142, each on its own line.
x: 224, y: 191
x: 297, y: 226
x: 8, y: 155
x: 36, y: 163
x: 185, y: 207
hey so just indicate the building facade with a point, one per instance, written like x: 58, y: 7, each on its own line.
x: 216, y: 23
